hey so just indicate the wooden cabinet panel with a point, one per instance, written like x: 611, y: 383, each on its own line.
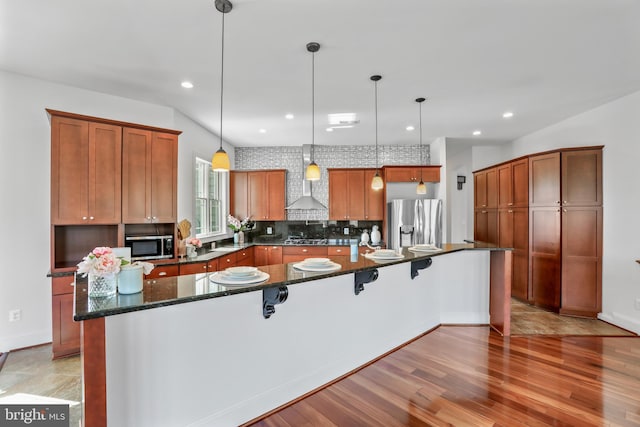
x: 544, y: 180
x: 338, y: 250
x: 520, y: 279
x: 520, y: 183
x: 505, y: 186
x: 85, y: 172
x: 154, y: 291
x: 582, y: 178
x: 65, y: 331
x: 149, y: 177
x: 259, y: 194
x: 245, y: 257
x: 227, y: 261
x: 412, y: 173
x: 267, y: 255
x: 163, y: 271
x: 492, y: 188
x: 581, y: 261
x: 480, y: 190
x: 193, y: 268
x: 486, y: 225
x: 212, y: 265
x: 505, y: 228
x: 347, y: 194
x: 238, y: 189
x: 338, y: 196
x: 300, y: 253
x: 544, y: 256
x: 374, y: 202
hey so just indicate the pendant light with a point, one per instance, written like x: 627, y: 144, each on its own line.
x: 220, y: 161
x: 313, y: 170
x: 421, y: 188
x: 376, y: 182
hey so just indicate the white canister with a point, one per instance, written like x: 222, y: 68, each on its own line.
x: 375, y: 235
x: 130, y: 279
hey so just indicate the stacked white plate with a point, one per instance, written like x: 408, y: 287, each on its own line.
x: 239, y: 276
x: 424, y: 248
x: 384, y: 255
x: 317, y: 264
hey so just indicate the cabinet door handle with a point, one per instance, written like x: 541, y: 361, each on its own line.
x: 510, y: 211
x: 338, y: 250
x: 509, y: 204
x: 305, y: 250
x: 484, y: 212
x: 162, y: 273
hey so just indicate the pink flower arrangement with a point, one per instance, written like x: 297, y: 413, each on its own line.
x: 101, y: 262
x: 194, y: 242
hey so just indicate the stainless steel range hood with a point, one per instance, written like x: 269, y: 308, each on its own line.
x: 306, y: 201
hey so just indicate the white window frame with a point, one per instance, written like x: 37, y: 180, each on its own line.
x: 222, y: 197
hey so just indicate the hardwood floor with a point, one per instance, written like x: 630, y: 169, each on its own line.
x: 471, y: 376
x: 529, y: 320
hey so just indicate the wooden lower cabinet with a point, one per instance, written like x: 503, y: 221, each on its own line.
x: 193, y: 268
x: 544, y: 256
x: 66, y: 331
x: 513, y: 232
x: 581, y: 261
x: 163, y: 271
x: 300, y: 253
x: 267, y: 255
x: 486, y: 225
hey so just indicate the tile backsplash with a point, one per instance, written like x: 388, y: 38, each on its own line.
x: 326, y: 156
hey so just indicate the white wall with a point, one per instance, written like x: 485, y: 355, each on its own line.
x: 459, y: 162
x: 616, y: 126
x: 25, y: 188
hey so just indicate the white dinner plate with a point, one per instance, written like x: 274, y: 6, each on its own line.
x: 241, y: 271
x: 323, y: 268
x: 372, y: 255
x: 234, y: 278
x: 317, y: 261
x: 222, y: 280
x: 424, y: 248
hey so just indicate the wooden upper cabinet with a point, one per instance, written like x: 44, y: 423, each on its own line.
x: 85, y: 172
x: 374, y: 202
x: 347, y: 194
x: 259, y: 194
x: 520, y: 183
x: 504, y: 175
x: 239, y: 203
x: 486, y: 188
x: 149, y: 176
x: 544, y: 180
x: 412, y: 173
x: 582, y: 178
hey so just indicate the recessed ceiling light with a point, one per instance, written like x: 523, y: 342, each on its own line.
x: 507, y: 115
x: 289, y: 116
x: 187, y: 85
x: 477, y: 132
x: 262, y: 131
x: 410, y: 128
x: 329, y: 129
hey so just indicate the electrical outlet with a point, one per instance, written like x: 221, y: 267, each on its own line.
x: 345, y: 231
x: 15, y: 315
x: 269, y: 230
x: 637, y: 304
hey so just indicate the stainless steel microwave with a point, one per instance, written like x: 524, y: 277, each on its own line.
x: 149, y: 247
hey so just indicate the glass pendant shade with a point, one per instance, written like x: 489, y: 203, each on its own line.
x: 220, y: 161
x: 313, y: 172
x: 421, y: 188
x: 376, y: 182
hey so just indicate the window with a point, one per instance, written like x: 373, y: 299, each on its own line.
x: 210, y: 200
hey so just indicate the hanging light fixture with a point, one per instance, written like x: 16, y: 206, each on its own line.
x: 220, y: 161
x: 313, y: 170
x: 376, y: 182
x: 421, y: 188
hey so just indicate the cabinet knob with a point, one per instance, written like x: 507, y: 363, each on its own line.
x: 91, y: 217
x: 484, y: 206
x: 84, y: 218
x: 509, y: 204
x: 564, y: 202
x: 338, y: 250
x: 558, y: 202
x: 305, y: 250
x: 204, y: 266
x: 510, y: 211
x: 484, y: 212
x: 564, y: 210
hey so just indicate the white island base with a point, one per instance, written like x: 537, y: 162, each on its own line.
x: 219, y: 362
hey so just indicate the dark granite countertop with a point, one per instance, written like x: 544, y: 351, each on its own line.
x: 183, y: 289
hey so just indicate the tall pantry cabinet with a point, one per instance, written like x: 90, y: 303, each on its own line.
x: 550, y: 212
x: 104, y: 174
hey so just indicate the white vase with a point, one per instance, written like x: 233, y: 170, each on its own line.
x: 130, y: 279
x: 375, y: 235
x: 102, y: 286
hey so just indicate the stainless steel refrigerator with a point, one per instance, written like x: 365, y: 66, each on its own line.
x: 414, y: 221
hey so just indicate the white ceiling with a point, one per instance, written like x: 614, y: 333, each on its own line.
x: 545, y: 60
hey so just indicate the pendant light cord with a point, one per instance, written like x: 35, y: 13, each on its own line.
x: 313, y: 105
x: 376, y: 116
x: 420, y: 104
x: 222, y: 78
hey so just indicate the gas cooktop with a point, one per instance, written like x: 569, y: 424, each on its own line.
x: 305, y: 241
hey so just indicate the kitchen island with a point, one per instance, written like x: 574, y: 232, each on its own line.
x: 204, y: 354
